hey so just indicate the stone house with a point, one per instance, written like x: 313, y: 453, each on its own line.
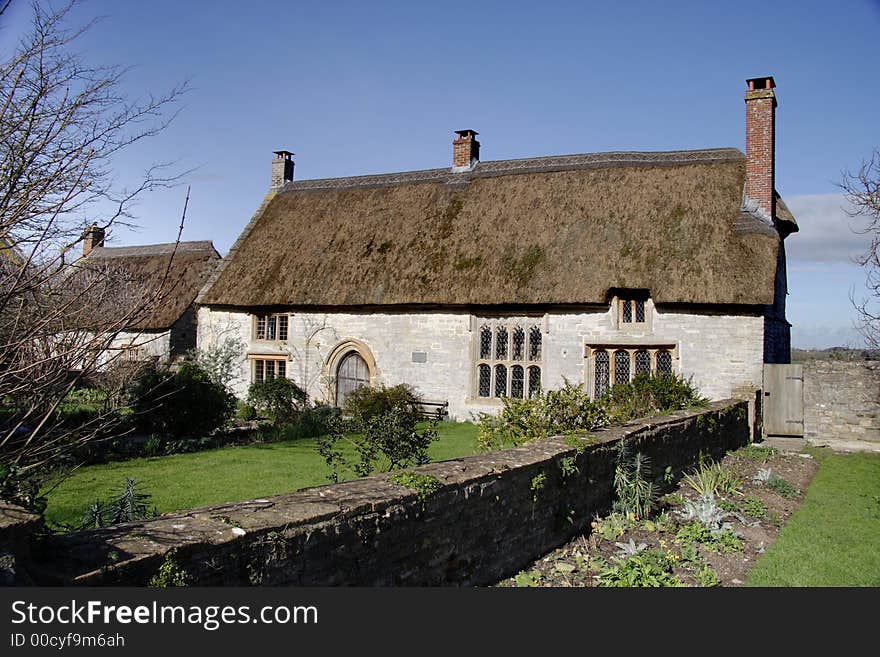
x: 491, y: 278
x: 145, y: 293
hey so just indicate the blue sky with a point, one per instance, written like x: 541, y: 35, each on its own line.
x: 366, y: 87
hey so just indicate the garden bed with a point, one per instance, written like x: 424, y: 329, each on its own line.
x: 668, y: 550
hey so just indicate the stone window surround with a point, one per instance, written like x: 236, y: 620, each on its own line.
x: 339, y: 352
x: 275, y: 317
x: 264, y: 358
x: 618, y: 301
x: 511, y: 321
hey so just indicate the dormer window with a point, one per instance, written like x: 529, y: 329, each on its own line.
x: 270, y: 327
x: 632, y: 310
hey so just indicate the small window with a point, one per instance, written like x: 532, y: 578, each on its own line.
x: 263, y: 369
x: 271, y: 327
x: 643, y: 362
x: 517, y: 381
x: 632, y: 312
x: 602, y: 373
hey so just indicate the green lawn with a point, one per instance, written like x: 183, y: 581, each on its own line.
x: 228, y: 474
x: 834, y: 537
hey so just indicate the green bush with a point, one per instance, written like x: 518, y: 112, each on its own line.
x: 367, y: 402
x: 246, y: 412
x: 551, y: 412
x: 279, y: 400
x: 570, y: 409
x: 389, y: 441
x: 649, y: 395
x: 181, y: 404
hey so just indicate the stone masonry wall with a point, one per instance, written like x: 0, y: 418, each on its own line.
x: 722, y: 353
x: 487, y: 521
x: 841, y: 401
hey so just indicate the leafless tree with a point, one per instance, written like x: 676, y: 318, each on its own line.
x: 62, y: 122
x: 862, y: 190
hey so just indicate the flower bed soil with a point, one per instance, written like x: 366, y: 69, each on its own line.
x: 583, y: 560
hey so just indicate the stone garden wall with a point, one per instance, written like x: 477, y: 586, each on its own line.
x: 493, y: 514
x: 842, y: 401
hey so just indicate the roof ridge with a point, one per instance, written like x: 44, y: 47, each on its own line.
x: 540, y: 164
x: 191, y: 246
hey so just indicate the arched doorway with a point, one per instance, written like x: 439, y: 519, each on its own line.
x: 351, y: 374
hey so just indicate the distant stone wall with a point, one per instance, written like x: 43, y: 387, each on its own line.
x: 841, y: 400
x: 493, y: 514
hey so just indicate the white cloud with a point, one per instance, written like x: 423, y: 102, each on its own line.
x: 826, y: 232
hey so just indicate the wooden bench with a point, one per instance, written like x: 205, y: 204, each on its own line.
x: 435, y: 410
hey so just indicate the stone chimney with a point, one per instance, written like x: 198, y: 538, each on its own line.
x: 465, y: 151
x: 93, y: 237
x: 282, y: 168
x: 761, y: 145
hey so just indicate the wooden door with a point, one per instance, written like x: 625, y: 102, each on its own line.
x: 783, y: 400
x: 351, y: 374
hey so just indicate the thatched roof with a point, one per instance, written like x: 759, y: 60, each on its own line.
x: 554, y: 230
x: 165, y: 278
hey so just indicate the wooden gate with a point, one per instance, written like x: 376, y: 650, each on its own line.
x: 783, y: 400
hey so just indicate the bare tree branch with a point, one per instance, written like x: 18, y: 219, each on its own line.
x: 62, y: 123
x: 862, y: 190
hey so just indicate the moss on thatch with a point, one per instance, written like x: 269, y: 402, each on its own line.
x: 506, y: 237
x: 162, y: 279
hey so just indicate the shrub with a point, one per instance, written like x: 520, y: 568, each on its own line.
x: 570, y: 409
x: 128, y: 504
x: 246, y: 412
x: 633, y: 490
x: 181, y: 404
x: 649, y: 395
x: 278, y: 399
x: 650, y: 568
x: 714, y: 478
x: 551, y: 412
x: 367, y: 402
x: 390, y: 441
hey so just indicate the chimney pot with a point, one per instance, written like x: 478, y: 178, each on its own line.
x: 465, y: 151
x: 282, y: 168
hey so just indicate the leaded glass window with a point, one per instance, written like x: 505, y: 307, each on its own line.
x: 615, y: 365
x: 664, y: 362
x: 534, y: 380
x: 508, y: 353
x: 500, y: 381
x: 501, y: 343
x: 516, y: 381
x: 485, y: 342
x: 534, y: 343
x: 519, y: 343
x: 643, y: 362
x: 602, y: 374
x: 621, y: 367
x: 484, y: 384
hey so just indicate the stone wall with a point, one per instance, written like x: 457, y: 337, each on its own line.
x: 841, y: 401
x: 491, y: 516
x: 433, y: 350
x: 17, y: 527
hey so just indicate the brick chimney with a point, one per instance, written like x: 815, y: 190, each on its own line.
x: 282, y: 168
x: 761, y: 144
x: 465, y: 151
x: 93, y: 237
